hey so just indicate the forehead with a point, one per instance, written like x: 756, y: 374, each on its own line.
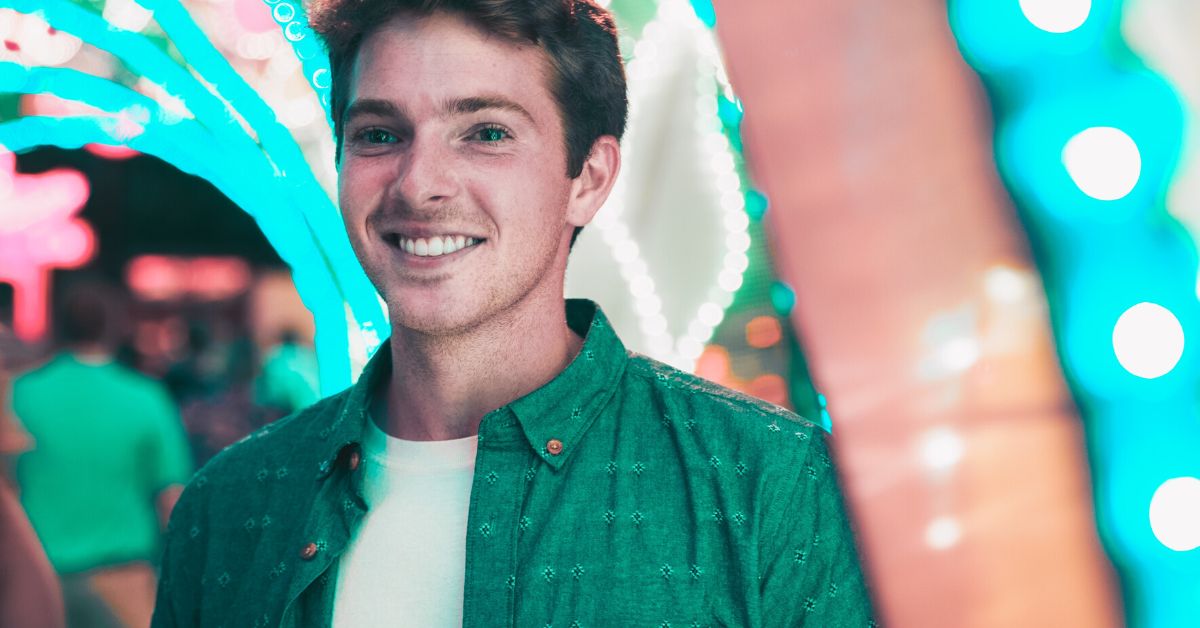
x: 426, y: 59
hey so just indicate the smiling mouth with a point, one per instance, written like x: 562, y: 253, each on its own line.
x: 434, y: 246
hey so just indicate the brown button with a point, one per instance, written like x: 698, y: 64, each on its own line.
x: 353, y: 459
x: 309, y: 551
x: 554, y: 446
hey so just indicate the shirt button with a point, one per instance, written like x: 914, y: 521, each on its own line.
x: 309, y: 551
x: 554, y: 446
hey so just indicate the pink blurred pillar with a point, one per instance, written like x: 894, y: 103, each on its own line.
x: 31, y: 296
x: 922, y: 318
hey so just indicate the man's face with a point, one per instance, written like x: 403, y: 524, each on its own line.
x: 453, y: 178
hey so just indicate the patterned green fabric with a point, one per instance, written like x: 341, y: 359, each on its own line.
x: 672, y: 502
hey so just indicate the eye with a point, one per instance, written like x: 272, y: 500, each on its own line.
x: 375, y: 136
x: 491, y: 134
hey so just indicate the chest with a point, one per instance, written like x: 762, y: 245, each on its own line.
x: 610, y: 540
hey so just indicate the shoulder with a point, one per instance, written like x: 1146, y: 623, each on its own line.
x: 273, y: 457
x: 290, y: 440
x: 133, y: 382
x: 708, y: 425
x: 34, y: 375
x: 773, y: 462
x: 709, y: 408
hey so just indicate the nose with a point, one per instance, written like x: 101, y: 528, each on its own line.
x: 426, y: 174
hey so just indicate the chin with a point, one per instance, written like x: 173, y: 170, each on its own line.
x: 434, y: 318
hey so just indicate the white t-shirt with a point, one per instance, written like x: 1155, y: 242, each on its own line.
x: 405, y: 566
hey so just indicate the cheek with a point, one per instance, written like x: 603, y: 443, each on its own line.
x: 359, y: 189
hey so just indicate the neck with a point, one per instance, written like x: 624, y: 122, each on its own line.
x: 442, y: 386
x: 91, y: 353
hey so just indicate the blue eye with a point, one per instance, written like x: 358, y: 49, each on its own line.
x: 376, y: 136
x: 491, y: 134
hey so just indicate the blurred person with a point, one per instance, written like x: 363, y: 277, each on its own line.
x: 229, y: 410
x: 502, y: 460
x: 107, y: 462
x: 29, y: 591
x: 199, y: 371
x: 289, y: 379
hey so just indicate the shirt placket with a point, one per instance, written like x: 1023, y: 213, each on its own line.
x: 336, y: 512
x: 503, y: 464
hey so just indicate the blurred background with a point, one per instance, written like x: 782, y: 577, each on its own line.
x: 961, y: 235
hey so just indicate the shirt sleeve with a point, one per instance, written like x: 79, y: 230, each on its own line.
x: 810, y: 569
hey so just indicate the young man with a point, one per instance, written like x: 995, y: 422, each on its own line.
x: 502, y: 461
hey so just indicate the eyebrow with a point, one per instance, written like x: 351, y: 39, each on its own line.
x: 455, y: 106
x: 372, y: 107
x: 474, y: 104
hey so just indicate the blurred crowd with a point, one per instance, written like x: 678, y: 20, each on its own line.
x: 99, y: 431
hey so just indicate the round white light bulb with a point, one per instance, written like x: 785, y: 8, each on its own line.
x: 1056, y: 16
x: 1104, y: 162
x: 1175, y: 514
x: 711, y: 314
x: 1148, y: 340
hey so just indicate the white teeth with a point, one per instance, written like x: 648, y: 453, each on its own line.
x: 436, y: 245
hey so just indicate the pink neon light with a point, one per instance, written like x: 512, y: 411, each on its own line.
x: 39, y: 232
x: 163, y: 278
x: 111, y: 152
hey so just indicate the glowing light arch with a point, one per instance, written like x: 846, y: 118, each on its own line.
x: 265, y: 174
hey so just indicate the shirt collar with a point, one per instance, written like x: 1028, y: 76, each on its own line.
x: 562, y: 410
x: 565, y: 408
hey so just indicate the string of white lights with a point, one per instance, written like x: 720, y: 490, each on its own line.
x: 645, y: 72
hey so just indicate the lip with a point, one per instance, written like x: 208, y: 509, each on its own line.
x: 418, y: 230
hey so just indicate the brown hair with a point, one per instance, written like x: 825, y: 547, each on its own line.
x: 90, y: 311
x: 579, y: 37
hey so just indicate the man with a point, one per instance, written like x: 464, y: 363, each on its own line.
x: 502, y: 461
x: 107, y: 461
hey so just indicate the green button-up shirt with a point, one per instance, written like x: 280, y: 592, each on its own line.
x: 670, y: 502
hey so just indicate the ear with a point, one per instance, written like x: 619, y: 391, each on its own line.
x: 591, y: 188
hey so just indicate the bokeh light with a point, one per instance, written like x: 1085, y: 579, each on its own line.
x: 941, y: 449
x: 943, y: 533
x: 763, y: 332
x: 1057, y: 16
x: 1104, y: 162
x: 1004, y: 284
x: 1175, y: 514
x: 1148, y: 340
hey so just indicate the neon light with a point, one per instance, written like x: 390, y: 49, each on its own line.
x: 38, y: 233
x: 267, y: 177
x: 163, y: 277
x: 674, y: 22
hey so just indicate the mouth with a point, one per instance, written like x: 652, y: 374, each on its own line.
x: 432, y: 246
